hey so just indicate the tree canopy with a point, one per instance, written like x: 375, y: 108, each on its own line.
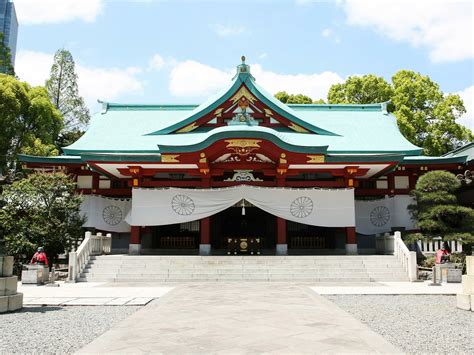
x: 6, y: 66
x: 63, y: 91
x: 367, y: 89
x: 28, y: 119
x: 437, y: 210
x: 40, y: 210
x: 425, y: 115
x: 286, y: 98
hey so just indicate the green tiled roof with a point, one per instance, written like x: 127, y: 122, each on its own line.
x: 464, y: 154
x: 336, y: 129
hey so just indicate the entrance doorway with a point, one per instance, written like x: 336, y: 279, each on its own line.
x: 233, y: 224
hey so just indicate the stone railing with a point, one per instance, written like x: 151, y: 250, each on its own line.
x: 406, y: 257
x: 431, y: 246
x: 91, y: 245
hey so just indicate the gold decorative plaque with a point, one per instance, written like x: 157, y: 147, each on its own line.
x: 169, y: 158
x: 315, y: 158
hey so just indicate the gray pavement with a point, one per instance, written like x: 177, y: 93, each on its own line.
x: 240, y: 318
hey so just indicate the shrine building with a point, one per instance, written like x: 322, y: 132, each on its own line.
x: 243, y: 173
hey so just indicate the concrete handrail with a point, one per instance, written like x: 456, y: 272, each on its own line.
x: 406, y: 257
x: 91, y: 245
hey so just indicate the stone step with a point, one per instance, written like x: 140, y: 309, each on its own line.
x: 243, y: 268
x: 227, y: 278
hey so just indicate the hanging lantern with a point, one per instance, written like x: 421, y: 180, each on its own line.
x: 243, y: 207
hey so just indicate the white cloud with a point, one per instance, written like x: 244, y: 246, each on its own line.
x: 315, y: 85
x: 263, y: 55
x: 156, y: 62
x: 467, y: 95
x: 326, y: 32
x: 445, y: 27
x: 228, y: 30
x: 194, y: 79
x: 94, y: 83
x: 330, y: 34
x: 34, y: 12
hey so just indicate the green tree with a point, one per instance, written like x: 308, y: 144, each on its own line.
x: 26, y: 114
x: 425, y: 115
x: 64, y: 93
x: 286, y: 98
x: 6, y: 66
x: 367, y: 89
x: 40, y: 210
x: 437, y: 210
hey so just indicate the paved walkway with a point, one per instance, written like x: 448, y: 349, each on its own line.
x: 240, y: 318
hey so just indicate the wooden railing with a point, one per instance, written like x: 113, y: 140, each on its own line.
x: 406, y: 257
x: 178, y: 242
x: 91, y: 245
x: 308, y: 242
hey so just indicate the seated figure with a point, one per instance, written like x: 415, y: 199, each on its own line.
x: 442, y: 255
x: 40, y: 257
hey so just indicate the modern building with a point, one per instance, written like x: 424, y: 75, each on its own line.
x: 9, y: 26
x: 245, y: 173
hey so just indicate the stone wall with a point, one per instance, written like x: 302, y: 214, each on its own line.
x: 10, y: 300
x: 465, y: 300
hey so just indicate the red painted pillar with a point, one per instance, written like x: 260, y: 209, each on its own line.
x: 282, y: 246
x: 205, y: 243
x: 135, y: 241
x: 351, y: 240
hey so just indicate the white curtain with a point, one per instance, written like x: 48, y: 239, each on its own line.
x: 380, y: 216
x: 107, y: 214
x: 319, y: 207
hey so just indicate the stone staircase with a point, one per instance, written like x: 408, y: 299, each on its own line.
x: 124, y: 268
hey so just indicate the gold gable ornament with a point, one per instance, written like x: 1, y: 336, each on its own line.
x: 243, y: 92
x: 297, y: 128
x: 188, y: 128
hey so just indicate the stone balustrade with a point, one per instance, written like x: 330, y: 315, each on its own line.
x: 10, y: 300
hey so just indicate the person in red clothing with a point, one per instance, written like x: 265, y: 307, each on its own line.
x: 442, y: 255
x: 40, y: 257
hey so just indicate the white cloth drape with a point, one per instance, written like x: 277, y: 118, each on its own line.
x: 107, y: 214
x: 327, y: 208
x: 380, y: 216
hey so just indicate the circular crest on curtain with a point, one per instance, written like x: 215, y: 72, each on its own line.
x: 112, y: 215
x: 301, y: 207
x: 380, y: 216
x: 182, y: 205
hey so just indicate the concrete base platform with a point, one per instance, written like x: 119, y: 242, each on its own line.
x: 90, y: 294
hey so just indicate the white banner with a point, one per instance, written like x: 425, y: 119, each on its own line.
x: 318, y: 207
x: 107, y: 214
x: 380, y: 216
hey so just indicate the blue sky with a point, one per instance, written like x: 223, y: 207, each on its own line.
x: 183, y: 51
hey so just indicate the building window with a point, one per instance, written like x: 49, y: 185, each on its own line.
x: 402, y: 182
x: 382, y: 183
x: 84, y: 182
x: 104, y: 184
